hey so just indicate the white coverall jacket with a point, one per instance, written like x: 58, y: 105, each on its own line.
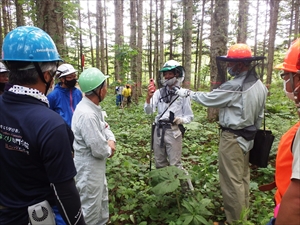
x: 91, y: 134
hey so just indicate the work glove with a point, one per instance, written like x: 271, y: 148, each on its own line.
x: 183, y: 92
x: 178, y: 120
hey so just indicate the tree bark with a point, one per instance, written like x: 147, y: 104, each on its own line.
x: 90, y: 34
x: 161, y: 58
x: 150, y: 58
x: 219, y: 35
x: 139, y: 61
x: 156, y: 43
x: 52, y: 16
x: 81, y: 55
x: 133, y: 61
x: 274, y: 6
x: 119, y: 37
x: 198, y: 63
x: 188, y: 27
x: 5, y: 17
x: 243, y: 21
x: 19, y: 14
x: 297, y: 24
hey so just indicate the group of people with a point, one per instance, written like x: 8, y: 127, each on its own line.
x: 54, y: 144
x: 241, y: 102
x: 123, y: 95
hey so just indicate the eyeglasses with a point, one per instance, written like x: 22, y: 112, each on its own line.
x: 52, y: 73
x: 283, y: 75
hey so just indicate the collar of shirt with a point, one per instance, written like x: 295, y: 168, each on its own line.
x: 21, y: 90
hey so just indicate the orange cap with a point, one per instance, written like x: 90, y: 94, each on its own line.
x: 238, y: 51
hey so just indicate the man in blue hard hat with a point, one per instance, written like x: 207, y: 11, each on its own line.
x: 37, y: 169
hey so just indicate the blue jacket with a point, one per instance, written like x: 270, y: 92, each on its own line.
x: 64, y: 101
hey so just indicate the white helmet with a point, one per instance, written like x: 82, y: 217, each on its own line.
x: 64, y: 70
x: 178, y: 70
x: 3, y: 68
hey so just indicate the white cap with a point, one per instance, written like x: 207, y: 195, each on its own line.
x: 3, y: 68
x: 64, y: 70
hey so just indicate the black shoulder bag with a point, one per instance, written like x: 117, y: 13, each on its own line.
x: 259, y: 154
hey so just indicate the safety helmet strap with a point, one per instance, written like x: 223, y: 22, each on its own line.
x: 41, y: 75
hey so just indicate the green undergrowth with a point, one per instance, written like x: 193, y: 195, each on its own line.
x: 139, y: 194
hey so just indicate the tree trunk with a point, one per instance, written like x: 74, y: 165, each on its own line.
x: 19, y: 14
x: 139, y: 69
x: 199, y: 49
x: 264, y: 44
x: 296, y: 25
x: 155, y: 57
x: 5, y: 17
x: 274, y: 5
x: 188, y: 27
x: 150, y: 62
x: 243, y: 21
x: 219, y: 33
x: 81, y: 56
x: 133, y: 61
x: 90, y: 34
x: 51, y: 20
x: 171, y: 33
x: 104, y: 41
x: 161, y: 57
x: 98, y: 32
x: 256, y: 28
x: 119, y: 34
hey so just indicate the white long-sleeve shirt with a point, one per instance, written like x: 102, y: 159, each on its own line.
x: 181, y: 107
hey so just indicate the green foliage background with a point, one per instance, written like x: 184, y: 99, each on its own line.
x: 143, y: 197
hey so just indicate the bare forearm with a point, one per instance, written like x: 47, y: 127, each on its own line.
x: 289, y: 212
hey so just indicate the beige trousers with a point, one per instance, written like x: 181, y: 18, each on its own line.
x: 234, y: 176
x: 170, y: 153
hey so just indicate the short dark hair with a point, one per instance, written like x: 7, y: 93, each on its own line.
x: 24, y: 73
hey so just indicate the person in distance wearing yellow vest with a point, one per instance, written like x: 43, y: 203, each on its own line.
x: 126, y: 93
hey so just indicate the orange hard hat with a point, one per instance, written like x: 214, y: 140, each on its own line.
x: 239, y: 51
x: 291, y: 60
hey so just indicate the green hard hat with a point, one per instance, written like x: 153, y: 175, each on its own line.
x: 90, y: 79
x: 173, y: 65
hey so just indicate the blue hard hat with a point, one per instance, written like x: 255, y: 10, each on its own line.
x: 29, y: 44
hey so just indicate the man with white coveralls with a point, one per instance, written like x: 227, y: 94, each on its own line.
x: 94, y: 143
x: 172, y: 112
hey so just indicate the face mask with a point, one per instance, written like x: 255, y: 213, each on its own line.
x: 231, y: 73
x: 70, y: 83
x: 170, y: 82
x: 290, y: 95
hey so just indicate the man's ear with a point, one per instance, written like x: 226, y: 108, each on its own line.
x: 47, y: 76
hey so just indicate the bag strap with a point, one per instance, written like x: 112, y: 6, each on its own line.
x: 264, y: 118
